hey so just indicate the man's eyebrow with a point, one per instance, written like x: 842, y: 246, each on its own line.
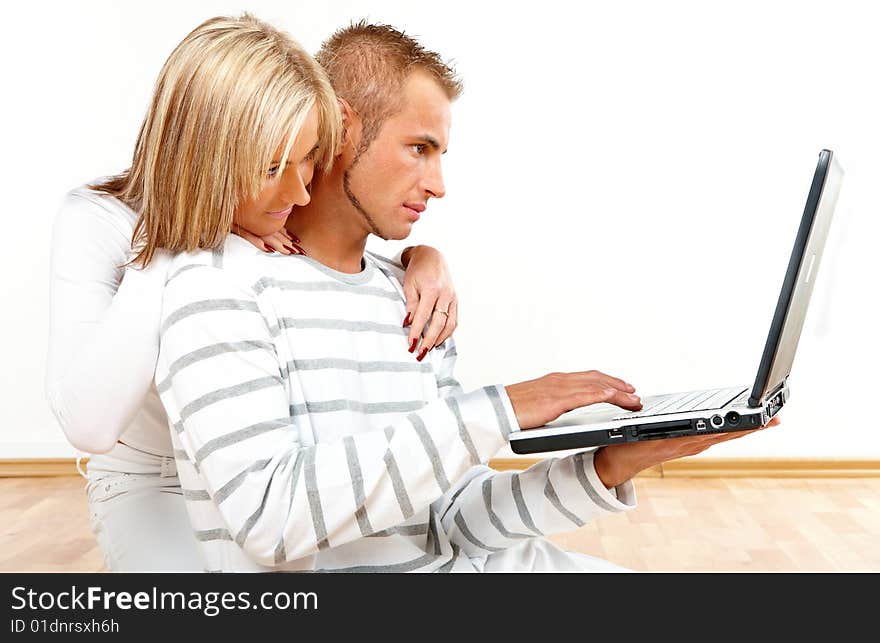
x: 430, y: 140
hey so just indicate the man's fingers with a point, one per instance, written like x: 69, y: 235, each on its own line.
x: 609, y: 394
x: 608, y: 380
x: 625, y: 400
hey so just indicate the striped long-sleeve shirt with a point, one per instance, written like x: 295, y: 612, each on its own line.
x: 307, y: 437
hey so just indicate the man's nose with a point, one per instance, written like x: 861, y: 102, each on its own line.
x: 434, y: 181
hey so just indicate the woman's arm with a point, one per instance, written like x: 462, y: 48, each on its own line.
x: 427, y: 286
x: 103, y: 334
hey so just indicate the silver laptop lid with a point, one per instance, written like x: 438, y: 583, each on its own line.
x: 791, y: 309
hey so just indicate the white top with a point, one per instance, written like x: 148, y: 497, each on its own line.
x: 307, y: 437
x: 103, y: 330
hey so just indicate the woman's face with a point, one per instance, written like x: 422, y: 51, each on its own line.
x: 283, y: 187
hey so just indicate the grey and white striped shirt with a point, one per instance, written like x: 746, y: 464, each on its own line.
x: 307, y: 437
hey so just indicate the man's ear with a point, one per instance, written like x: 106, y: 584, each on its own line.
x: 351, y: 126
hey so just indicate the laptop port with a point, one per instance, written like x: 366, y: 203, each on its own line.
x: 615, y: 434
x: 733, y: 418
x: 717, y: 421
x: 701, y: 425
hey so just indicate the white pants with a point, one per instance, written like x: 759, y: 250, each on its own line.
x: 140, y: 521
x: 541, y: 555
x: 138, y: 514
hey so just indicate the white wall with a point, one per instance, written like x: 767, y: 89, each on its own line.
x: 620, y: 175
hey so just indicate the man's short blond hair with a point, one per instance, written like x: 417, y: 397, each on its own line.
x: 228, y: 96
x: 368, y: 65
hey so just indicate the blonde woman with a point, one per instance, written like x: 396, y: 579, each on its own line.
x: 239, y: 118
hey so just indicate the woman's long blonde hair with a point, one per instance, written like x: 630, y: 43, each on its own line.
x: 231, y: 92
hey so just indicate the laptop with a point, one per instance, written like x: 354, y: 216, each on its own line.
x: 737, y: 408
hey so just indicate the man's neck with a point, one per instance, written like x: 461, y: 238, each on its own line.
x: 331, y: 230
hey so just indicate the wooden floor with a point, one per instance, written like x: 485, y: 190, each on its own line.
x: 681, y: 524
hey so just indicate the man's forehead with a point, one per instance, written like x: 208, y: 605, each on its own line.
x: 426, y: 107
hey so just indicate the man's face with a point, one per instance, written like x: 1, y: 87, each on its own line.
x: 390, y: 183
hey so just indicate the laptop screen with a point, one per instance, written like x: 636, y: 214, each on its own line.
x: 791, y: 309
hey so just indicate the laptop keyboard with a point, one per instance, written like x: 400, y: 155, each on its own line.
x: 685, y: 402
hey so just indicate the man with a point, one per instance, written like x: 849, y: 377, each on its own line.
x: 323, y: 437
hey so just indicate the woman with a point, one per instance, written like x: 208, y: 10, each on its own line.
x: 106, y: 298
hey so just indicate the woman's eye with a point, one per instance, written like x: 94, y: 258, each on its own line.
x: 272, y: 171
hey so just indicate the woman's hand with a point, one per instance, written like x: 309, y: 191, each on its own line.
x: 282, y: 241
x: 431, y: 304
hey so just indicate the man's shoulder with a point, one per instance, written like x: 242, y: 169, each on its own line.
x: 231, y: 266
x: 394, y: 271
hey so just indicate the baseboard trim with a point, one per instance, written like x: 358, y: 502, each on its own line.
x: 684, y: 468
x: 738, y: 468
x: 770, y: 468
x: 39, y: 467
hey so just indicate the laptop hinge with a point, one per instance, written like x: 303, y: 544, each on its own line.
x: 769, y: 394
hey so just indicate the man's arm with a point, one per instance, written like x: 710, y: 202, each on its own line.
x: 493, y: 510
x: 281, y: 497
x: 490, y: 511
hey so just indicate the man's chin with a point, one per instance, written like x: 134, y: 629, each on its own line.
x: 397, y: 233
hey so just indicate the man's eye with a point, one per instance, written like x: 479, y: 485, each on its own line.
x: 419, y: 148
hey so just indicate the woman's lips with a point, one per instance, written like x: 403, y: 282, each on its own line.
x: 281, y: 214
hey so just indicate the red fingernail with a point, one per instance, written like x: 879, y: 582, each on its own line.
x: 422, y: 354
x: 406, y: 321
x: 295, y: 238
x: 289, y: 249
x: 300, y: 250
x: 412, y: 346
x: 268, y: 248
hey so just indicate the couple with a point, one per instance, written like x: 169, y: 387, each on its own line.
x: 310, y: 429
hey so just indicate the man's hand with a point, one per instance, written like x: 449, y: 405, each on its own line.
x: 539, y: 401
x: 427, y: 286
x: 617, y: 463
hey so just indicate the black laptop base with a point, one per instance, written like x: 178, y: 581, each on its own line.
x: 731, y: 421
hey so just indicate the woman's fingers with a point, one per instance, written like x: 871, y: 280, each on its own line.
x: 427, y: 299
x: 451, y: 323
x: 439, y: 318
x: 276, y: 242
x: 253, y: 239
x: 412, y: 302
x: 280, y: 242
x: 290, y: 236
